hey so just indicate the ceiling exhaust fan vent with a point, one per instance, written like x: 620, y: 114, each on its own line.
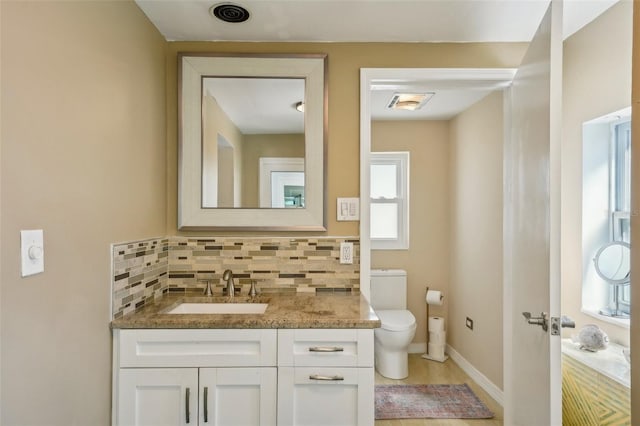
x: 409, y: 101
x: 229, y: 12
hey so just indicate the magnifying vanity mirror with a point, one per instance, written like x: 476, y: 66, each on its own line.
x: 613, y: 265
x: 252, y: 141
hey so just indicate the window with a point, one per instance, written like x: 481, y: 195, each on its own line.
x: 606, y: 206
x: 621, y: 195
x: 389, y: 200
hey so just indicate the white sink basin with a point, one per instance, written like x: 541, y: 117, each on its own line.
x: 219, y: 308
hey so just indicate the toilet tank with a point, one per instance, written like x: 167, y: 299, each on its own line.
x: 388, y: 289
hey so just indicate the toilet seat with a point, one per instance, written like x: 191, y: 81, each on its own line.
x: 396, y: 319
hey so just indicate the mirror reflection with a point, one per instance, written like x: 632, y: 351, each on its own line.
x: 253, y: 142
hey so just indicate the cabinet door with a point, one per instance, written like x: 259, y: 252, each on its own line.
x: 157, y: 397
x: 238, y: 396
x: 325, y: 396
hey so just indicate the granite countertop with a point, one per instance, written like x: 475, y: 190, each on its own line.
x: 284, y: 311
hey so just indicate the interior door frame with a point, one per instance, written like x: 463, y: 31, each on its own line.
x: 368, y: 76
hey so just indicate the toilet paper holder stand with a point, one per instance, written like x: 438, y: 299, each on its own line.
x: 427, y: 355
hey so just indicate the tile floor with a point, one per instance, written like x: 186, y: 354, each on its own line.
x: 422, y: 371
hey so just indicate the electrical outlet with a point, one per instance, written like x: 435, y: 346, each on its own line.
x: 469, y: 323
x: 346, y: 253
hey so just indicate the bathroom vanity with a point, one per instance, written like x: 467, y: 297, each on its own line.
x: 286, y: 366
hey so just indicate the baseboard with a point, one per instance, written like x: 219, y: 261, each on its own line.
x: 482, y: 380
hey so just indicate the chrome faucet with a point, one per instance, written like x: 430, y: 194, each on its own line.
x: 228, y: 277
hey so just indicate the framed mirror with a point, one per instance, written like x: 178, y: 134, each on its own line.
x: 252, y: 140
x: 613, y: 262
x: 613, y: 265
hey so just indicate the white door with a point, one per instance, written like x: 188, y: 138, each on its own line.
x: 532, y: 380
x: 157, y: 397
x: 238, y: 396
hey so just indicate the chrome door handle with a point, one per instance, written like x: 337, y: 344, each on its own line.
x: 542, y: 320
x: 562, y: 322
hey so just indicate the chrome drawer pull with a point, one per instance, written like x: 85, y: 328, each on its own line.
x: 326, y: 378
x: 187, y: 405
x: 206, y: 404
x: 326, y: 349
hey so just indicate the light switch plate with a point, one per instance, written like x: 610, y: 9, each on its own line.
x: 32, y: 252
x: 348, y: 209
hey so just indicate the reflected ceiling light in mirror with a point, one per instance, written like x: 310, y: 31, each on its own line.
x: 300, y: 106
x: 229, y: 12
x: 409, y: 101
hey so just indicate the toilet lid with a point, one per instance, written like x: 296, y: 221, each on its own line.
x: 396, y: 320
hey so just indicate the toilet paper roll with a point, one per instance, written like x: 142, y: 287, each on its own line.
x: 438, y: 338
x: 436, y: 350
x: 434, y: 297
x: 436, y: 324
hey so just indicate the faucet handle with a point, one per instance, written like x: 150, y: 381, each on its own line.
x: 253, y: 291
x: 207, y: 290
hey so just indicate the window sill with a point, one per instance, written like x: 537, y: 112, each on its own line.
x: 620, y: 322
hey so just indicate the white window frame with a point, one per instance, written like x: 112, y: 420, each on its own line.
x: 402, y: 160
x: 619, y: 187
x: 594, y: 298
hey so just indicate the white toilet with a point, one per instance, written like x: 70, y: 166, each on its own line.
x: 389, y: 301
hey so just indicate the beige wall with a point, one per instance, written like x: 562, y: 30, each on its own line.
x: 89, y: 154
x: 344, y: 61
x: 596, y: 81
x: 217, y: 123
x: 475, y: 291
x: 427, y: 260
x: 257, y: 146
x: 84, y: 158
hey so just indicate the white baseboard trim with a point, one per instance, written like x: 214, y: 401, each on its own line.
x: 482, y: 380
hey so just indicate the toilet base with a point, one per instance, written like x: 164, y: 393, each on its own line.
x: 392, y: 365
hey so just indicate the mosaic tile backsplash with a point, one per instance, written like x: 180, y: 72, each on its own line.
x: 184, y: 264
x: 140, y: 272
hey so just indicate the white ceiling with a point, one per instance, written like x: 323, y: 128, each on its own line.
x: 376, y: 21
x: 366, y: 20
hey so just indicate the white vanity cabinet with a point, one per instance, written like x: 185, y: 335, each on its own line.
x: 171, y: 377
x: 325, y: 377
x: 194, y: 377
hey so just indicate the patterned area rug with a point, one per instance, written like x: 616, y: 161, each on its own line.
x: 429, y: 402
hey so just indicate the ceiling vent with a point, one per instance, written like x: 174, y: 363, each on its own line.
x: 409, y: 101
x: 229, y: 12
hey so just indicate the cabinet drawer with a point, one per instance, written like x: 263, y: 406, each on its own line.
x: 197, y: 348
x: 320, y: 396
x: 325, y: 347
